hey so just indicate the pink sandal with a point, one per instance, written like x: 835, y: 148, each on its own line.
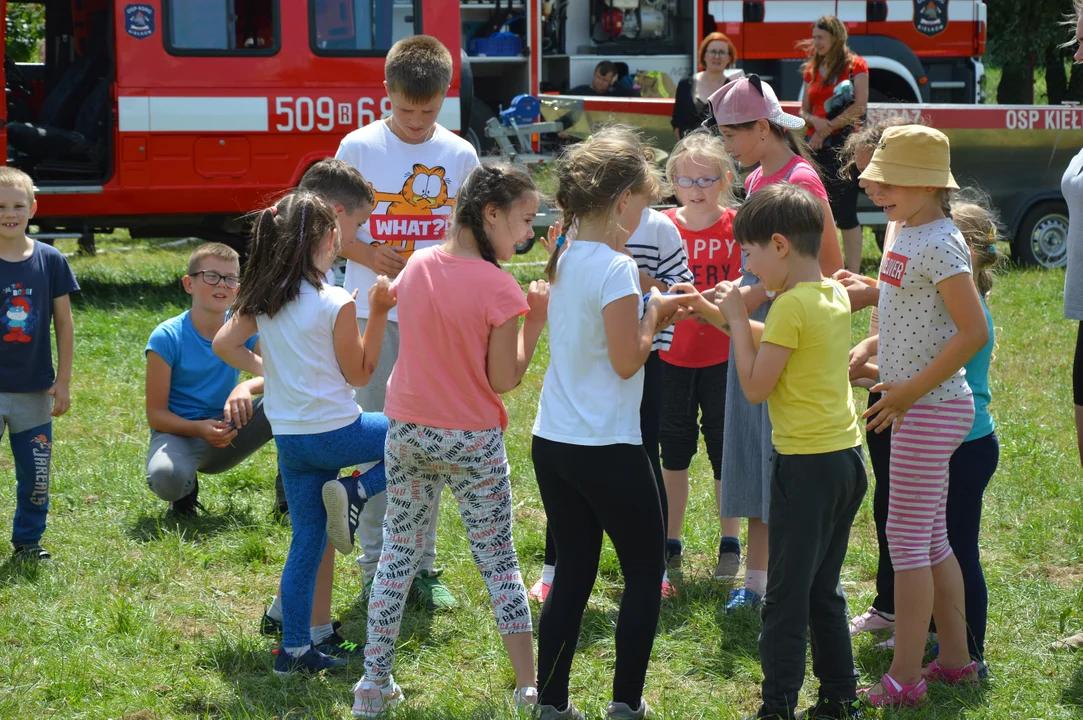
x: 966, y: 675
x: 893, y: 694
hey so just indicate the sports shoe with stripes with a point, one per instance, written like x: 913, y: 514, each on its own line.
x: 343, y: 500
x: 370, y: 699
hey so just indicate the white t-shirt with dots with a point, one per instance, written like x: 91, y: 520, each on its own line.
x: 914, y: 321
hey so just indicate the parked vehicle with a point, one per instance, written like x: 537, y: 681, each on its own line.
x: 1016, y: 153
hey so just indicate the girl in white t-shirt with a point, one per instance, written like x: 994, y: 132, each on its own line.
x: 592, y: 470
x: 312, y: 354
x: 931, y: 324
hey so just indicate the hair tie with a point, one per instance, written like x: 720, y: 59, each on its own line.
x: 560, y: 241
x: 992, y: 249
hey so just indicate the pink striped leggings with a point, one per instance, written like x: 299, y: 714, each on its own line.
x: 917, y: 534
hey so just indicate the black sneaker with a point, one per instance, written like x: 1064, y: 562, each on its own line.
x: 269, y: 626
x: 186, y: 507
x: 313, y: 661
x: 343, y: 502
x: 336, y: 646
x: 826, y: 709
x: 674, y: 551
x: 31, y: 553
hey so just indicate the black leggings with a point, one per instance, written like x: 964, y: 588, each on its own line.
x: 969, y: 471
x: 650, y: 427
x: 1077, y: 368
x: 587, y: 490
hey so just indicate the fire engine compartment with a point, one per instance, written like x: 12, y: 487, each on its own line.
x: 59, y: 112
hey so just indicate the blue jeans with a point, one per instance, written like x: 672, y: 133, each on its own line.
x: 307, y: 462
x: 26, y: 418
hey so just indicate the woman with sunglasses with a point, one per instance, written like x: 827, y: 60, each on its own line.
x: 690, y: 104
x: 201, y: 419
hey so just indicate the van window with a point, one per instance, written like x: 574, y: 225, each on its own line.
x: 216, y: 27
x: 361, y: 27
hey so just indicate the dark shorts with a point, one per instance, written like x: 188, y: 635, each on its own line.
x: 686, y: 392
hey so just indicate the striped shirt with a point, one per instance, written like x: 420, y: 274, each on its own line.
x: 657, y: 249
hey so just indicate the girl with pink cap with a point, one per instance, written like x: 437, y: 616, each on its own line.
x: 756, y: 130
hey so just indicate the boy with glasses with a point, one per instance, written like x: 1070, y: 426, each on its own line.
x: 201, y: 419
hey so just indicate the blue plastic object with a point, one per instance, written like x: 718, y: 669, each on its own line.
x: 524, y: 109
x: 500, y: 44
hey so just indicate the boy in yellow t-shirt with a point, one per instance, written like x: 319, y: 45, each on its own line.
x: 797, y: 361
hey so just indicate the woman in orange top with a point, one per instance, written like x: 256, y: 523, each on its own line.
x: 831, y: 62
x: 690, y: 105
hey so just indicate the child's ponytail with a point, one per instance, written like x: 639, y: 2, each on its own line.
x: 592, y: 176
x: 284, y: 240
x: 972, y: 214
x: 497, y: 184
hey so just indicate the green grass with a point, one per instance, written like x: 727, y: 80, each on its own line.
x: 140, y: 618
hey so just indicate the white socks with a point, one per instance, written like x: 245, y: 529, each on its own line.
x: 547, y: 574
x: 296, y: 652
x: 320, y: 633
x: 275, y: 611
x: 756, y: 581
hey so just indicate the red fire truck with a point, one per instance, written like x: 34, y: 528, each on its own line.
x: 176, y: 117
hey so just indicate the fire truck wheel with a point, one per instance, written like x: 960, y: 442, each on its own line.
x: 1043, y: 236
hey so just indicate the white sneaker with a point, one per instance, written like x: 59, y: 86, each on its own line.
x: 872, y: 620
x: 370, y: 699
x: 525, y: 698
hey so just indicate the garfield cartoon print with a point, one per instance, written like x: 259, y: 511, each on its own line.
x: 410, y: 213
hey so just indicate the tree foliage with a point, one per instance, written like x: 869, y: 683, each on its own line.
x: 1019, y: 28
x: 25, y: 24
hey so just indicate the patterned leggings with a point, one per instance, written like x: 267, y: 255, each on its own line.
x: 474, y: 466
x: 917, y: 533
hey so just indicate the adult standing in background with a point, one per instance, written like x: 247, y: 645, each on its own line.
x: 1071, y: 186
x: 690, y: 103
x: 831, y: 62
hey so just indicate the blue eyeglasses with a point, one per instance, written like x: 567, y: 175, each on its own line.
x: 703, y: 182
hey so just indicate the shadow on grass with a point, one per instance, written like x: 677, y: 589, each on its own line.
x: 100, y: 293
x: 153, y: 528
x: 1073, y: 693
x: 15, y: 571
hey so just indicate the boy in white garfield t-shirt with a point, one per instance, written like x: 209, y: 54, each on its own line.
x: 415, y: 167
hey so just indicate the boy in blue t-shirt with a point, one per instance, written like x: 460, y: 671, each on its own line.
x: 201, y: 419
x: 35, y: 282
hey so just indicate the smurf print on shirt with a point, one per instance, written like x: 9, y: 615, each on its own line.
x: 18, y: 318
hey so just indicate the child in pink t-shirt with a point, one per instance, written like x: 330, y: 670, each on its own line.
x: 461, y: 346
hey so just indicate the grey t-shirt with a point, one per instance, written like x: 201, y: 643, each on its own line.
x: 1071, y: 186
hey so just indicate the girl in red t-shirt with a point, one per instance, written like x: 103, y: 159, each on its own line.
x: 694, y: 368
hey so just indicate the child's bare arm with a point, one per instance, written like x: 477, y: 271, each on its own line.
x: 964, y: 306
x: 229, y: 344
x: 162, y: 419
x: 64, y: 326
x: 759, y: 365
x: 358, y: 355
x: 511, y: 347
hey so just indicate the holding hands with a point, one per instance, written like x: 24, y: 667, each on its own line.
x: 715, y: 306
x: 380, y: 296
